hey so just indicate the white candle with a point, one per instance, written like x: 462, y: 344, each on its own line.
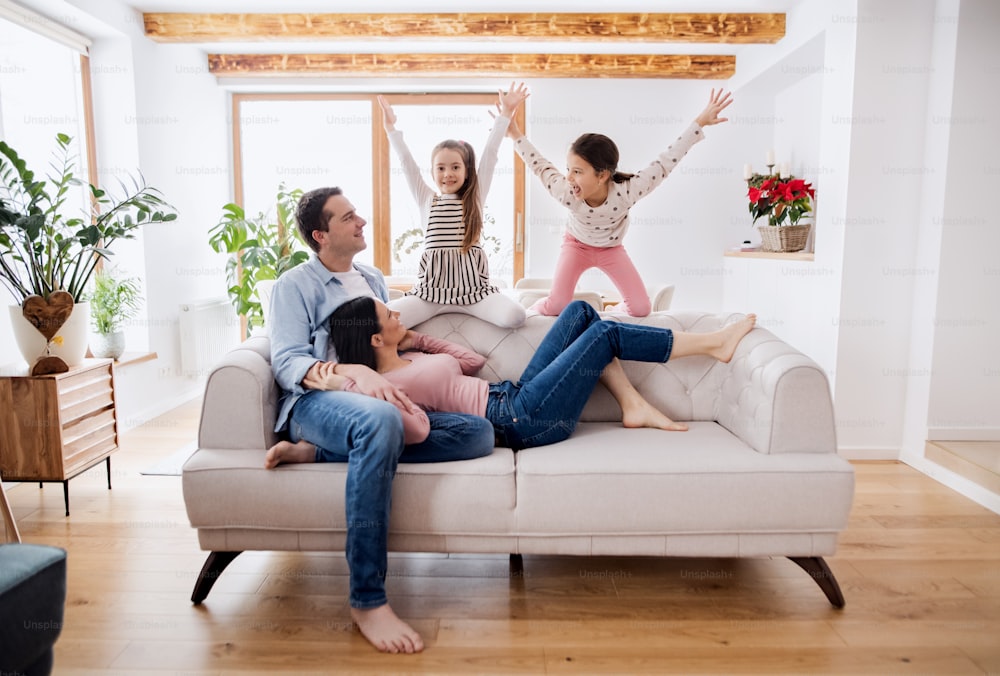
x: 784, y: 170
x: 770, y: 158
x: 747, y: 171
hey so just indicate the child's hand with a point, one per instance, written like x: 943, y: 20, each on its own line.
x: 513, y: 131
x: 511, y: 99
x: 389, y: 117
x: 716, y: 104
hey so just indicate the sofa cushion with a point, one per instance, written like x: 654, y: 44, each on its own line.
x: 605, y: 480
x: 231, y: 489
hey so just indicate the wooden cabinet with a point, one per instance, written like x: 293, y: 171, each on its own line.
x: 54, y: 427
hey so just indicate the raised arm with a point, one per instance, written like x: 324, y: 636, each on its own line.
x: 421, y: 192
x: 469, y: 360
x: 507, y: 106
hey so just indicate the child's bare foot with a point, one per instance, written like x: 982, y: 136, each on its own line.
x: 643, y: 414
x: 730, y: 336
x: 286, y: 452
x: 386, y: 631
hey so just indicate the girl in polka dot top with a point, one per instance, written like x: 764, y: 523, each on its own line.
x: 598, y: 197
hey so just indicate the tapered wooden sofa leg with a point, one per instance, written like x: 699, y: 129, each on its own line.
x: 821, y: 573
x: 516, y: 566
x: 210, y: 572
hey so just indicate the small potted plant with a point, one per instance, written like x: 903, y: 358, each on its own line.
x: 113, y: 301
x: 784, y: 200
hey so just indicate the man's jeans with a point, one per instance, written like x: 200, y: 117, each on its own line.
x: 544, y: 406
x: 367, y: 434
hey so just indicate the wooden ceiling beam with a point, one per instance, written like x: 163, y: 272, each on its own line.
x: 474, y: 65
x: 742, y: 28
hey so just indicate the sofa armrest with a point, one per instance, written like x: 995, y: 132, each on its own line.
x: 239, y: 407
x: 777, y: 399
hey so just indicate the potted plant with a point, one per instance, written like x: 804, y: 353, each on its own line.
x: 260, y: 250
x: 49, y: 250
x: 113, y: 301
x: 784, y: 201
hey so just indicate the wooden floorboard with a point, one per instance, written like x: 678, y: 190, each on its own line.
x: 919, y: 566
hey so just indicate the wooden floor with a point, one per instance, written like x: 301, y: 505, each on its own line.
x: 919, y: 566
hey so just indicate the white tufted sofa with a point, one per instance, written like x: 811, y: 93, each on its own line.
x: 757, y: 475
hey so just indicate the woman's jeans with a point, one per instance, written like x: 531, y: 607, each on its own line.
x: 544, y: 406
x: 367, y: 434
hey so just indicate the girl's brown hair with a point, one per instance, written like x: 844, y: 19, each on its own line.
x: 601, y: 153
x: 472, y: 215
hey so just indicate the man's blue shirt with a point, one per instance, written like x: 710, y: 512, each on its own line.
x: 301, y: 304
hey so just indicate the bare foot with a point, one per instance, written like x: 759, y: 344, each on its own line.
x: 642, y: 414
x: 286, y: 452
x: 730, y: 336
x: 386, y: 631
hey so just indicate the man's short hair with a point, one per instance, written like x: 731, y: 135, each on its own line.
x: 309, y: 213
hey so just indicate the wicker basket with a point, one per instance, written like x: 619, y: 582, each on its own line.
x: 783, y: 237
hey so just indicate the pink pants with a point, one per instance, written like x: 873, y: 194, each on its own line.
x: 575, y: 258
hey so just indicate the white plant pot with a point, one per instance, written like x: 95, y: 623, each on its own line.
x: 69, y: 344
x: 108, y: 345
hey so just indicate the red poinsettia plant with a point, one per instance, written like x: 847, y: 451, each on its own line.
x: 779, y: 199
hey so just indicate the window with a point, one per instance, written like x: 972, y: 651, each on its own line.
x: 31, y: 115
x: 309, y: 141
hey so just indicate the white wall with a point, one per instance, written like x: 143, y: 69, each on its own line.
x: 157, y: 109
x: 965, y: 389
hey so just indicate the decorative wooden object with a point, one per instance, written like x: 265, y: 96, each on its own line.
x: 55, y: 427
x: 475, y: 65
x: 505, y: 27
x: 48, y: 315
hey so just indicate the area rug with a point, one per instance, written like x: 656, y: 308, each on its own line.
x: 172, y: 464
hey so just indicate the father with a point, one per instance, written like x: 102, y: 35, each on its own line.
x: 366, y: 432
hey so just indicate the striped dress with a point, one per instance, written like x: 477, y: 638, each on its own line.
x: 447, y: 275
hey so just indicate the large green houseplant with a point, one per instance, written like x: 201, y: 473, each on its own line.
x: 260, y: 249
x: 49, y: 244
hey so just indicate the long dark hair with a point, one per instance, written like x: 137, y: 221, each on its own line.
x: 601, y: 153
x: 352, y: 326
x: 472, y: 216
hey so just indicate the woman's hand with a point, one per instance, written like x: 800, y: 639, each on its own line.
x: 716, y: 104
x: 511, y: 99
x: 388, y: 116
x: 407, y: 342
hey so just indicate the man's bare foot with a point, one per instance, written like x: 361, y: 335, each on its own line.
x: 643, y: 414
x: 730, y: 336
x: 386, y: 631
x: 285, y: 452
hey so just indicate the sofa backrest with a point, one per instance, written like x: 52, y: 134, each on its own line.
x: 241, y: 396
x: 685, y: 389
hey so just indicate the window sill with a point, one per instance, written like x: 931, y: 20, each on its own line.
x: 129, y: 358
x: 773, y: 255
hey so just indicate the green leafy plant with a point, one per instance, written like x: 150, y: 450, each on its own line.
x: 113, y: 301
x: 259, y: 248
x: 779, y: 199
x: 42, y: 247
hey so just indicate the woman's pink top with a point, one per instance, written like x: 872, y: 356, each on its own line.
x: 438, y: 378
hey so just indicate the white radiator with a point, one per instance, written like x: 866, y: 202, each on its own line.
x: 209, y: 329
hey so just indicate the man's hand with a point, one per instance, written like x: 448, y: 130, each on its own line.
x: 716, y: 104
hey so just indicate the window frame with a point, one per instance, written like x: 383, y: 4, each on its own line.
x: 381, y: 219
